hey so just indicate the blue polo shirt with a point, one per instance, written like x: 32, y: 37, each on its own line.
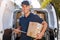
x: 24, y: 23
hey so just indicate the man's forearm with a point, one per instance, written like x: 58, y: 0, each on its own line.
x: 44, y: 27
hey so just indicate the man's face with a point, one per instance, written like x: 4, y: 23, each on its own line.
x: 25, y: 8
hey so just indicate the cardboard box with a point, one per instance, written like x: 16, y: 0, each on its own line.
x: 41, y: 15
x: 33, y: 29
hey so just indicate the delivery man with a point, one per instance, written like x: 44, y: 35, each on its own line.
x: 29, y: 17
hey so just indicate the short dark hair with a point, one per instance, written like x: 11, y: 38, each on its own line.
x: 25, y: 3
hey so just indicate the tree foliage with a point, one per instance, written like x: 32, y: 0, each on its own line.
x: 57, y: 6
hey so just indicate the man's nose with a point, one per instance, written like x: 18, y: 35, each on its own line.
x: 24, y: 8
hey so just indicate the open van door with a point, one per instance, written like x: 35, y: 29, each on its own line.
x: 6, y: 11
x: 52, y: 21
x: 1, y: 16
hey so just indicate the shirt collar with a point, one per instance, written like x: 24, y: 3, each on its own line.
x: 28, y: 16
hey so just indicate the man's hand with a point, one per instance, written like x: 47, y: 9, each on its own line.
x: 17, y: 31
x: 40, y: 35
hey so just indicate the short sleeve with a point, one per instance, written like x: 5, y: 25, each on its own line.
x: 40, y: 20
